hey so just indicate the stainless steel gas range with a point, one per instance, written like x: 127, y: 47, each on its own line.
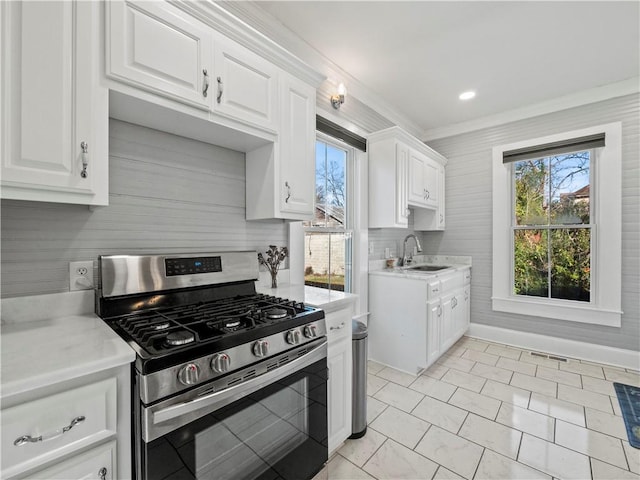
x: 227, y: 383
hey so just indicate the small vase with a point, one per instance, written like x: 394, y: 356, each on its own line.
x: 274, y: 279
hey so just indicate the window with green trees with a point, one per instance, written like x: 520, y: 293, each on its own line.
x: 552, y: 230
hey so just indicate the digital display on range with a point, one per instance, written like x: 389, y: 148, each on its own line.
x: 191, y: 266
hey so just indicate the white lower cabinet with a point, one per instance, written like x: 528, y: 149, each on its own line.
x: 72, y: 430
x: 414, y: 320
x: 434, y: 321
x: 96, y: 464
x: 339, y: 361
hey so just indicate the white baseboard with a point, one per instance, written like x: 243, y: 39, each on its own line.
x: 557, y: 346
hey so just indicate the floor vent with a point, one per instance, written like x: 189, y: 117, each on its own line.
x: 551, y: 357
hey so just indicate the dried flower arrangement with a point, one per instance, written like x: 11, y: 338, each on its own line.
x: 275, y: 255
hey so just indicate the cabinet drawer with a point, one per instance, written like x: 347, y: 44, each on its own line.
x: 434, y: 290
x: 64, y: 421
x: 96, y: 464
x: 451, y: 281
x: 338, y: 325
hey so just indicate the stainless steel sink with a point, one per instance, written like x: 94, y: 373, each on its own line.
x: 427, y: 268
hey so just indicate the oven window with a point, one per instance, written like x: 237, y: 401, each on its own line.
x: 278, y: 432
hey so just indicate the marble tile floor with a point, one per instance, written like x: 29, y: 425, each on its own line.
x: 489, y: 411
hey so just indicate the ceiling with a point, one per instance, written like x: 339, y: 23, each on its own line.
x: 419, y: 56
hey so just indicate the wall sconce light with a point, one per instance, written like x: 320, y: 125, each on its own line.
x: 337, y: 100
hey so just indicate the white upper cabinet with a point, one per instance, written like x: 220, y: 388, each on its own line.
x: 281, y: 176
x: 158, y: 47
x: 297, y: 148
x: 403, y: 173
x: 55, y: 113
x: 423, y: 180
x: 388, y: 187
x: 246, y: 85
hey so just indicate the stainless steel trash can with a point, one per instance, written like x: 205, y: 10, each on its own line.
x: 359, y: 385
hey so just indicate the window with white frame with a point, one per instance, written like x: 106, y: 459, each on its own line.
x: 328, y: 237
x: 556, y: 229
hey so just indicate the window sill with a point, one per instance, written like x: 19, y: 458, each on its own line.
x: 571, y: 313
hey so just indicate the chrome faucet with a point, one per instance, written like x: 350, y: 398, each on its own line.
x: 407, y: 260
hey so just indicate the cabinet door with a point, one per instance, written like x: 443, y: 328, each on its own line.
x: 465, y: 311
x: 339, y: 361
x: 52, y: 104
x: 402, y: 175
x: 440, y: 196
x: 448, y: 323
x: 417, y: 181
x: 96, y: 464
x: 156, y: 46
x: 431, y: 181
x: 434, y: 323
x: 459, y: 314
x: 246, y: 85
x: 296, y: 163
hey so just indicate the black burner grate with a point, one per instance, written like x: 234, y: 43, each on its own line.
x: 156, y: 330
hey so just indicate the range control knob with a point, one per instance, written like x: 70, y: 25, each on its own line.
x: 310, y: 331
x: 293, y: 337
x: 220, y: 362
x: 188, y: 375
x: 261, y: 348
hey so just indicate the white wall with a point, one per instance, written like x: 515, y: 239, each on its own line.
x: 469, y: 209
x: 167, y: 194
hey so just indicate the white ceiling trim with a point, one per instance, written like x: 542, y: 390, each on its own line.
x: 269, y: 26
x: 584, y: 97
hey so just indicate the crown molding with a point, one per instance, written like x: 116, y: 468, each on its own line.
x: 252, y: 14
x: 225, y: 22
x: 577, y: 99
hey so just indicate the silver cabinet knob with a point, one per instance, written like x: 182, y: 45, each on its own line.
x: 189, y: 374
x: 310, y: 331
x: 102, y: 473
x: 220, y: 362
x: 293, y: 337
x: 261, y: 348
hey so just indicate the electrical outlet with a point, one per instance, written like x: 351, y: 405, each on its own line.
x: 81, y: 275
x: 387, y: 252
x: 370, y: 248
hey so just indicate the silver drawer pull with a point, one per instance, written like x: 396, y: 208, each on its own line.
x: 205, y: 82
x: 102, y: 473
x: 338, y: 327
x: 48, y: 436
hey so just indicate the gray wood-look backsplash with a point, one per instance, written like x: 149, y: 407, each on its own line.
x: 469, y: 211
x: 167, y: 194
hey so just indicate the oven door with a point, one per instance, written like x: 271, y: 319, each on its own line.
x: 272, y: 426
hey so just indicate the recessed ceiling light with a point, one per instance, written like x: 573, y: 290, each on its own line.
x: 467, y: 95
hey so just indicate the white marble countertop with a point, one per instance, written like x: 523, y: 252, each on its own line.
x: 43, y: 352
x: 418, y: 275
x: 38, y: 351
x: 328, y: 300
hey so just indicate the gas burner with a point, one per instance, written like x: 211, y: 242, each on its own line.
x: 233, y: 324
x: 276, y: 313
x: 160, y: 326
x: 181, y: 337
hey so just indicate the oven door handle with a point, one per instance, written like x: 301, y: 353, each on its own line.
x: 224, y: 397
